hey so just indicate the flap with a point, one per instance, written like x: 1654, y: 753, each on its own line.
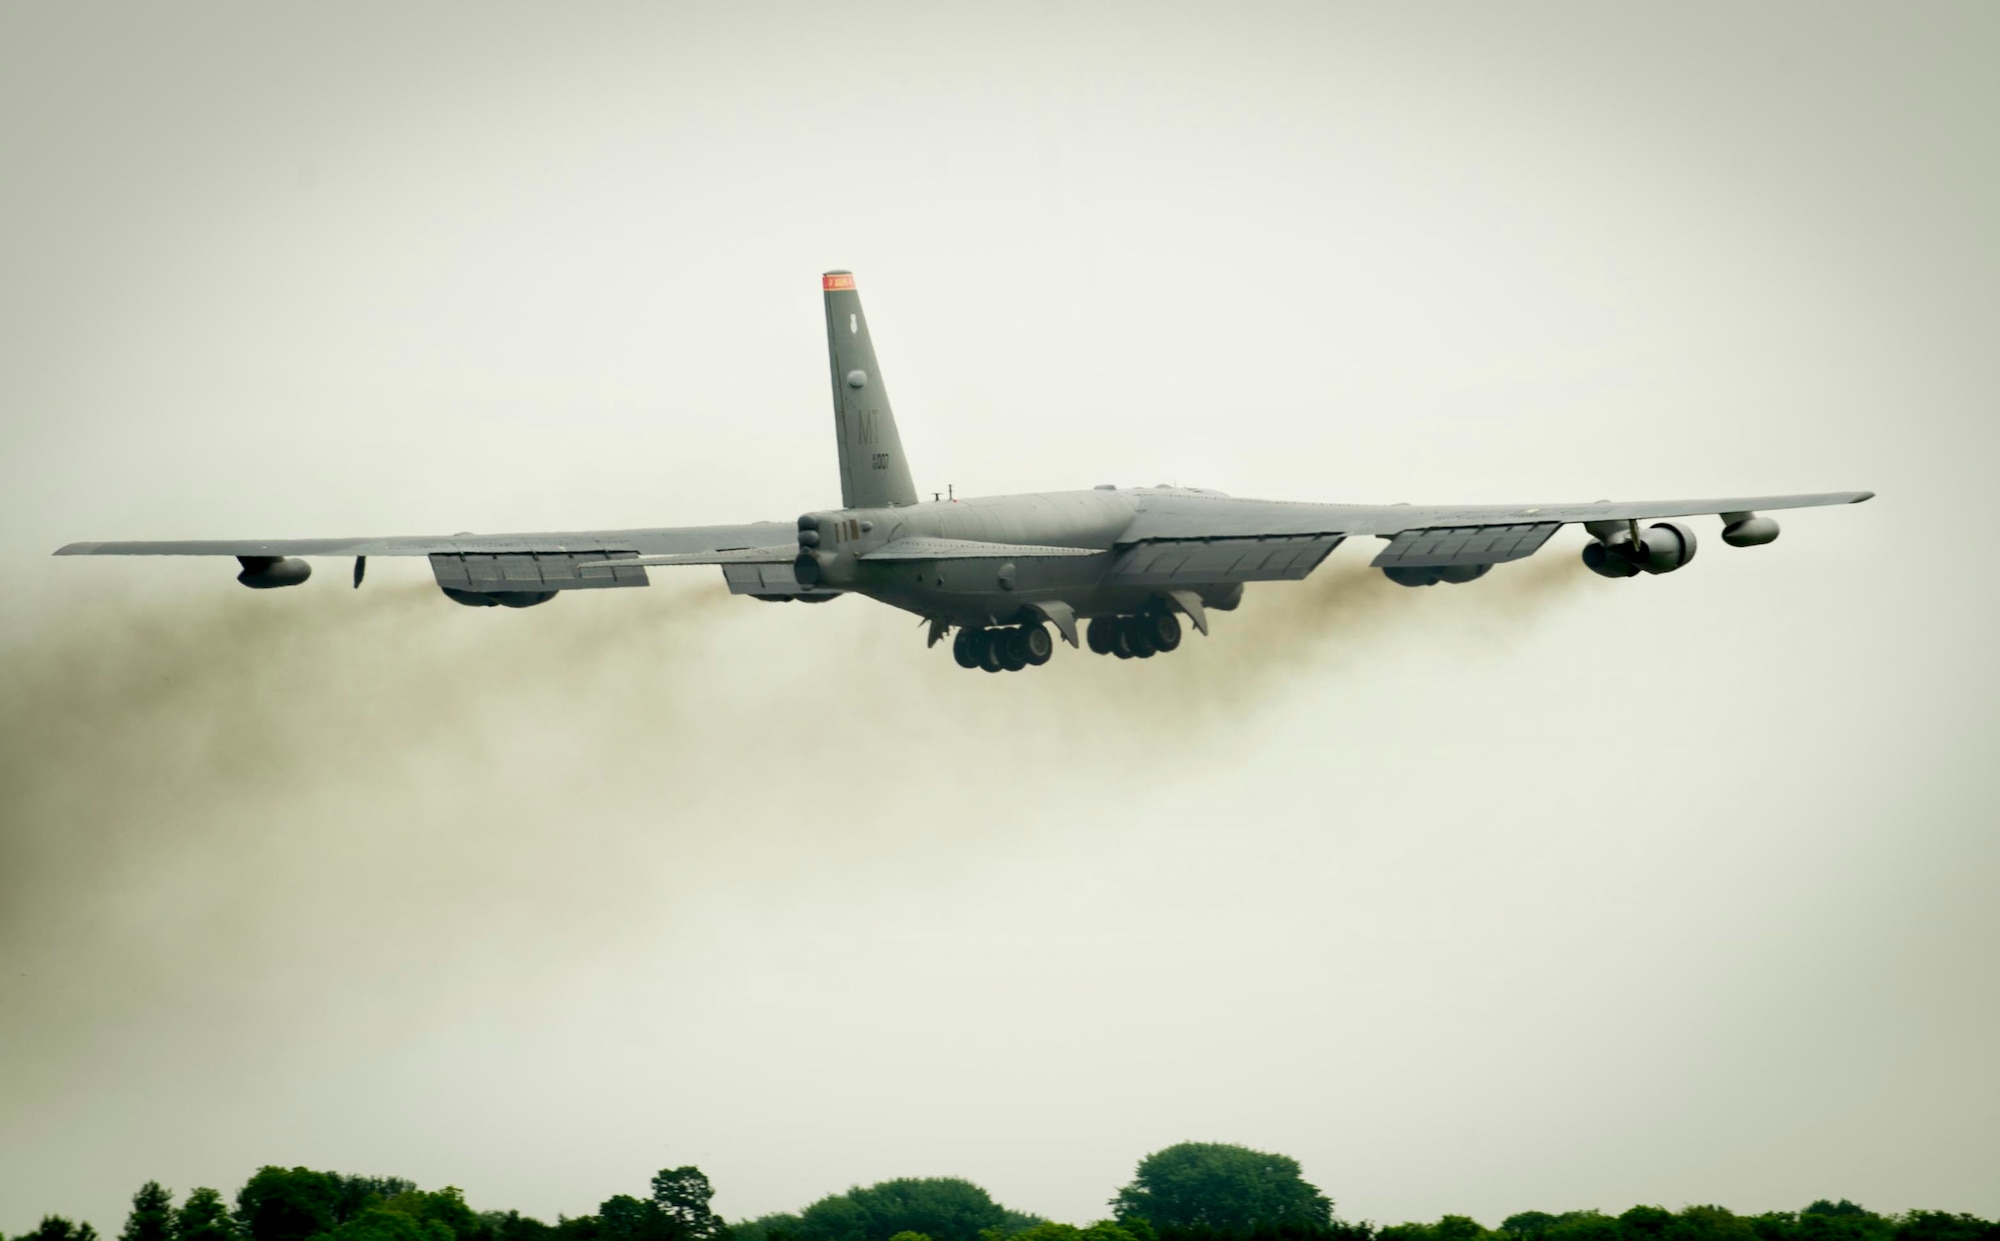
x: 533, y: 571
x: 1443, y: 546
x: 1174, y: 562
x: 769, y: 581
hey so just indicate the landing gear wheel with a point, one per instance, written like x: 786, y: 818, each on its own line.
x: 1163, y: 630
x: 1121, y: 640
x: 1102, y: 635
x: 965, y: 647
x: 1137, y: 634
x: 1036, y: 644
x: 1013, y: 651
x: 990, y: 643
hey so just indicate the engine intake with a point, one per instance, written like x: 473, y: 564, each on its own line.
x: 1747, y: 529
x: 1661, y: 548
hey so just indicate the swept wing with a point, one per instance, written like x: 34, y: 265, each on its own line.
x: 1420, y: 535
x: 663, y: 541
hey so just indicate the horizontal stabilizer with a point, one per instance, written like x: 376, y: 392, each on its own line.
x: 969, y: 549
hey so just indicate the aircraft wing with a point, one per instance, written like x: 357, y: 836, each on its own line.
x: 668, y: 541
x: 1182, y: 515
x: 509, y: 566
x: 1172, y: 521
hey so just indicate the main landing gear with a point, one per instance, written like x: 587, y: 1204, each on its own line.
x: 1003, y: 650
x: 1134, y: 637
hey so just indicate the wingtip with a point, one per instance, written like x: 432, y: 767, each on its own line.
x: 1859, y: 496
x: 75, y: 549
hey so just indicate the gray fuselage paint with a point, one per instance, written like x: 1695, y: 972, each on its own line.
x: 971, y: 591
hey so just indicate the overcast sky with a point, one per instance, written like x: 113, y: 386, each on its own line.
x: 1544, y: 892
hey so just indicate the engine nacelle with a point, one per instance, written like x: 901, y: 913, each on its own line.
x: 1668, y: 545
x: 1662, y: 547
x: 1610, y: 559
x: 1747, y: 529
x: 271, y: 572
x: 1223, y: 598
x: 817, y: 597
x: 498, y: 598
x: 1454, y: 574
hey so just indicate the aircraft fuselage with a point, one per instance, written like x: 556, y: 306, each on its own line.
x: 1000, y: 589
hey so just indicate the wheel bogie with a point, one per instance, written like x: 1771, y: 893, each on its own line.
x: 966, y: 647
x: 1003, y: 650
x: 1141, y: 635
x: 1036, y: 644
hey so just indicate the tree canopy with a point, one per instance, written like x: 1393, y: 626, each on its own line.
x: 1224, y: 1191
x: 56, y: 1228
x: 940, y: 1208
x: 152, y: 1217
x: 204, y: 1217
x: 1822, y: 1221
x: 1190, y: 1192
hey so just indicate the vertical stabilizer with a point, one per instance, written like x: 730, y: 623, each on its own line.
x: 873, y: 473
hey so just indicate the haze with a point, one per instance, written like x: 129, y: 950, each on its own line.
x: 1546, y: 892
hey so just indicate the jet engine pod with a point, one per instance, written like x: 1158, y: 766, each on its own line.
x: 1667, y: 546
x: 521, y: 598
x: 271, y: 572
x: 1405, y: 576
x: 806, y: 570
x: 1662, y: 547
x: 1610, y: 559
x: 498, y: 598
x: 1431, y: 575
x: 1747, y: 529
x: 1222, y: 598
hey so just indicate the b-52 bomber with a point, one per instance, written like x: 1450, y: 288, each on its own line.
x: 1125, y: 564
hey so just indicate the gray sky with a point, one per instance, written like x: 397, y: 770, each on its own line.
x: 1547, y: 892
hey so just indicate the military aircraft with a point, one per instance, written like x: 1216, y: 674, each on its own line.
x: 1002, y: 569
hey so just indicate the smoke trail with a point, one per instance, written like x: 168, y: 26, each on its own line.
x: 131, y: 737
x: 136, y: 740
x: 233, y: 822
x: 127, y: 733
x: 1285, y: 633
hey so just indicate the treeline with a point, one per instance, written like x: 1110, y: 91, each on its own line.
x: 1822, y: 1221
x: 1196, y: 1191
